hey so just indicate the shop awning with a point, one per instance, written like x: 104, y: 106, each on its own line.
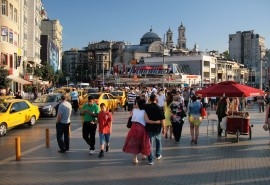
x: 18, y: 80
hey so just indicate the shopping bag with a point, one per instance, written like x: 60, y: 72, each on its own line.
x: 203, y: 112
x: 223, y: 123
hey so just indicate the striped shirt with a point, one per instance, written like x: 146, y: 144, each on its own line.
x: 131, y: 97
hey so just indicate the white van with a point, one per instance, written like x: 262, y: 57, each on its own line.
x: 82, y: 85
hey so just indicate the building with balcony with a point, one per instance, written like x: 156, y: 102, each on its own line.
x: 11, y: 43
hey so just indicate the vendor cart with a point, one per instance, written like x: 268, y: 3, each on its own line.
x: 239, y: 125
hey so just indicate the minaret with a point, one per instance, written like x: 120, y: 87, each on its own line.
x: 169, y: 39
x: 182, y: 41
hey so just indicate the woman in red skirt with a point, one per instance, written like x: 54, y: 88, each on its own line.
x: 137, y: 140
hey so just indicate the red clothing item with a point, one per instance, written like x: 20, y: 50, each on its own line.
x: 104, y: 122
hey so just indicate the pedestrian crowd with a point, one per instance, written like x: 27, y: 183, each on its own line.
x: 155, y: 113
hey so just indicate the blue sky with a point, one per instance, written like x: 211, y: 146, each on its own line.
x: 208, y: 22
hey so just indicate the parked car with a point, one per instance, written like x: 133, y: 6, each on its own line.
x: 108, y: 99
x: 48, y: 104
x: 91, y: 90
x: 17, y: 112
x: 121, y: 96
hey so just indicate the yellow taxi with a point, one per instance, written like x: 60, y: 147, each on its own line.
x: 108, y: 99
x: 17, y: 112
x: 81, y: 94
x: 5, y: 98
x: 121, y: 96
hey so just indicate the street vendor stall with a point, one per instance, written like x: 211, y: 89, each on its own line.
x: 237, y: 122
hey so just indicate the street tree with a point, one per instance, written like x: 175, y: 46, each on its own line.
x: 48, y: 73
x: 4, y: 81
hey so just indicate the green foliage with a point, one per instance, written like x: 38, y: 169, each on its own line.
x: 4, y: 81
x: 27, y: 88
x: 38, y: 71
x: 226, y: 55
x: 58, y: 75
x: 48, y: 73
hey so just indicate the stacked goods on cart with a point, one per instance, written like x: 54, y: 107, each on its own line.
x: 239, y: 114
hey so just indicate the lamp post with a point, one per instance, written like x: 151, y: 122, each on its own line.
x: 86, y: 75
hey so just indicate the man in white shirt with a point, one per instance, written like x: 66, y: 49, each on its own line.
x: 161, y: 98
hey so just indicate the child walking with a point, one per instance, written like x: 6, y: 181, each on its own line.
x: 105, y: 128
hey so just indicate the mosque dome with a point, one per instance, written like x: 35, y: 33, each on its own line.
x: 149, y: 38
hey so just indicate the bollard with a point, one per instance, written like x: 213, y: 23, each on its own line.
x: 18, y: 148
x: 47, y: 138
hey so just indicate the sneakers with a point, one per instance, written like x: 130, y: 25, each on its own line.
x: 92, y: 152
x: 159, y: 157
x: 150, y: 162
x: 101, y: 154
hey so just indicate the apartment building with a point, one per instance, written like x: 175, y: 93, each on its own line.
x: 10, y: 42
x: 248, y: 48
x: 53, y: 29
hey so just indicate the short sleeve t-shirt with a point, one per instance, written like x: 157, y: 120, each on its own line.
x: 92, y: 108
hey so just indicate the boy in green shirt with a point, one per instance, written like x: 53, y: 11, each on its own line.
x: 89, y: 112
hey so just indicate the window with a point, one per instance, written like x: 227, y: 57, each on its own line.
x: 4, y: 6
x: 4, y: 33
x: 24, y: 105
x: 15, y: 107
x: 10, y: 14
x: 15, y: 15
x: 4, y: 59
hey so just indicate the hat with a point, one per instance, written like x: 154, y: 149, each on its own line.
x: 265, y: 127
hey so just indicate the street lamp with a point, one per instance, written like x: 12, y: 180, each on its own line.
x: 86, y: 75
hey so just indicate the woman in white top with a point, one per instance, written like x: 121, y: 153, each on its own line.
x: 137, y: 140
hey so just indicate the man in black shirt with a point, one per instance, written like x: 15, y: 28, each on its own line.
x: 155, y: 113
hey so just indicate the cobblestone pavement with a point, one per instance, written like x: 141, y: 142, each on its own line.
x: 214, y: 160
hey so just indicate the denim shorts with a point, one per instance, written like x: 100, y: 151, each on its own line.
x: 104, y: 138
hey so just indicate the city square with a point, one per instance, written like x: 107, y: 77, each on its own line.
x: 214, y: 160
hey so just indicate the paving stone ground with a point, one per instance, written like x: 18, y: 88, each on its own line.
x: 214, y: 160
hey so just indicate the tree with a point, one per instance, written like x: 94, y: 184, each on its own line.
x: 226, y: 55
x: 38, y: 72
x: 48, y: 73
x: 57, y: 77
x: 4, y: 81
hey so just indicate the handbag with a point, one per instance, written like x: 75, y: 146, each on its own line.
x: 203, y: 112
x: 129, y: 123
x: 265, y: 127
